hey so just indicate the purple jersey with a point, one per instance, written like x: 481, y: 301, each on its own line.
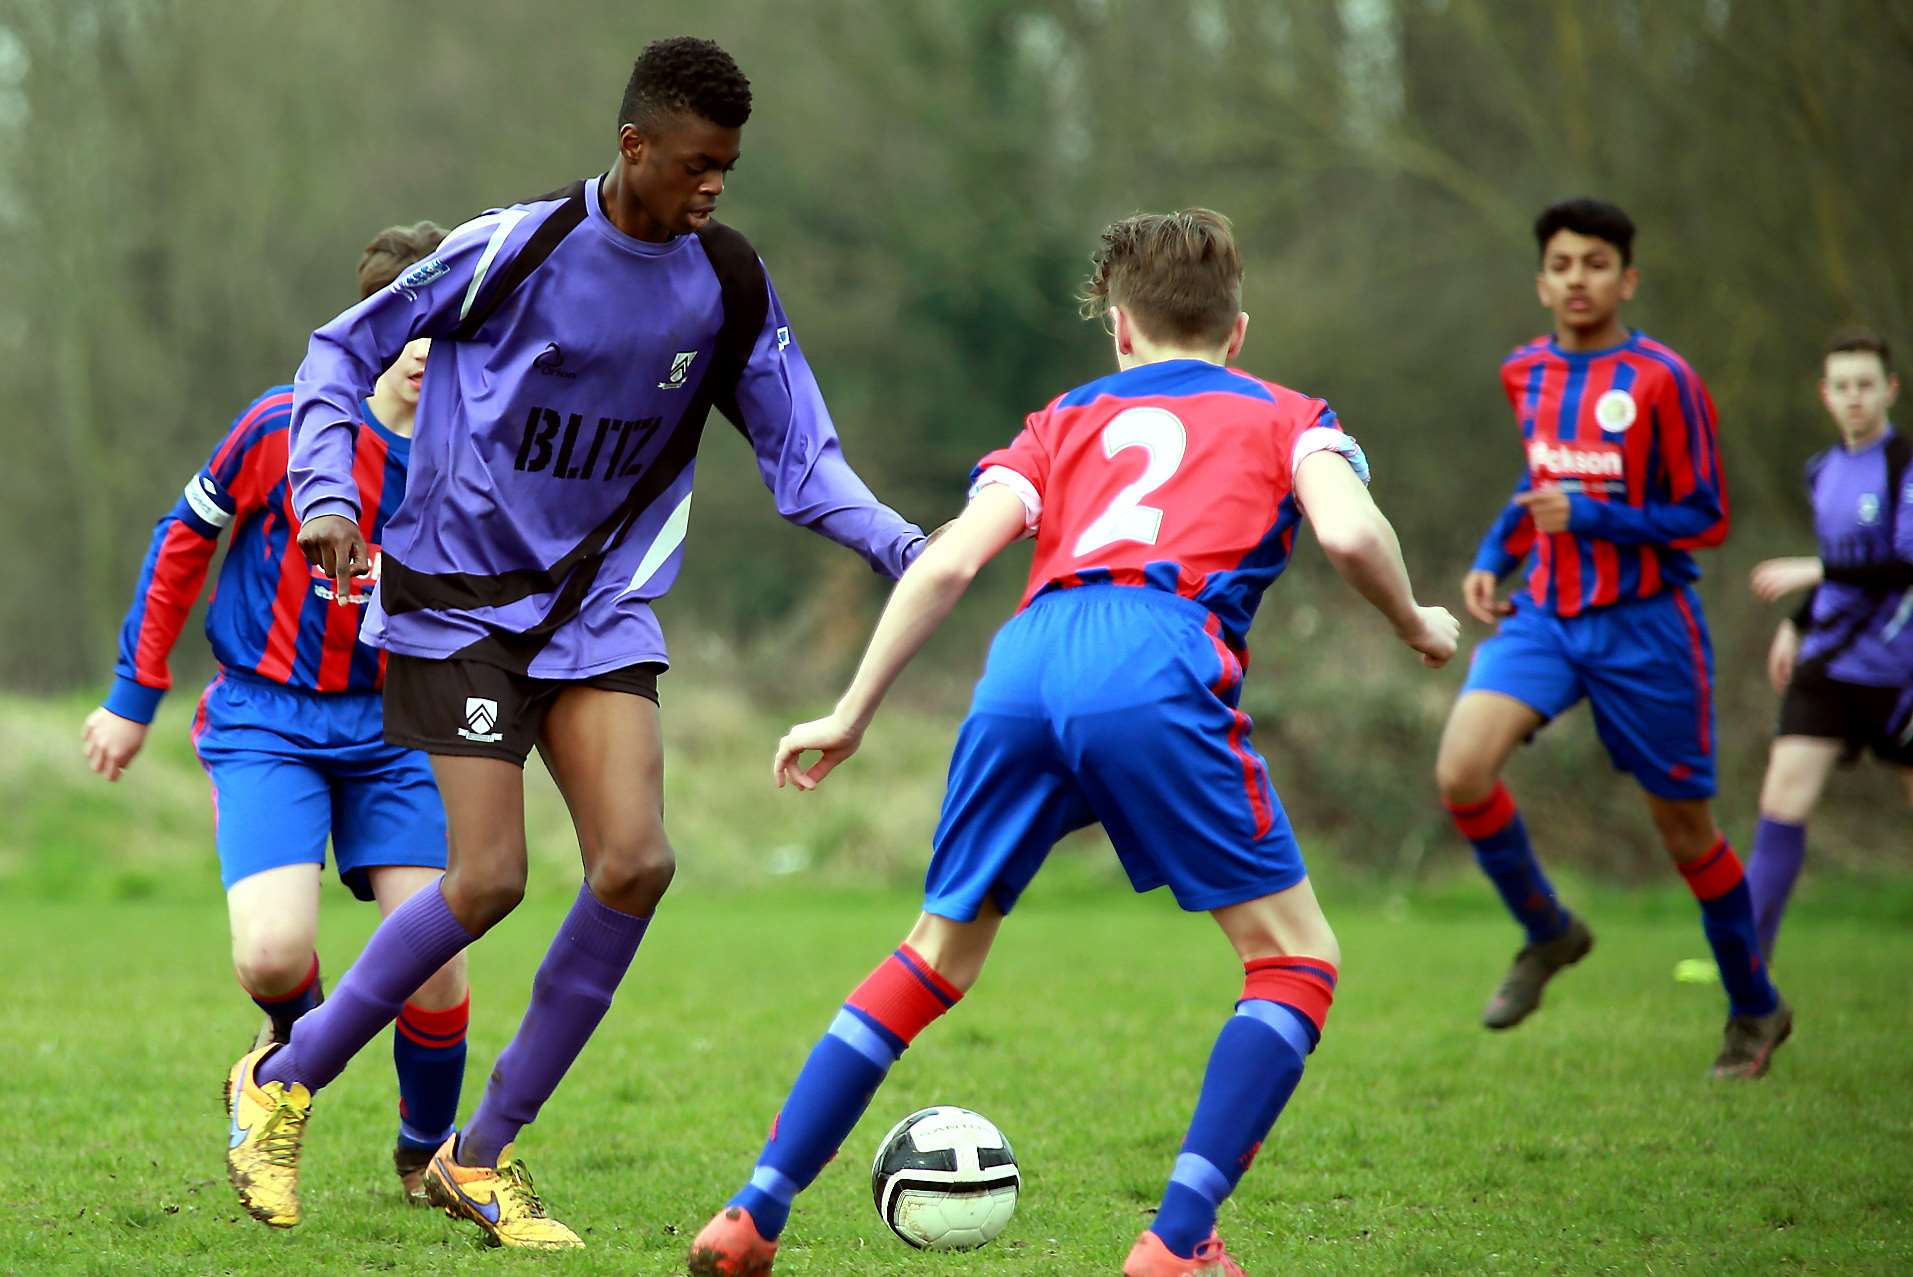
x: 1862, y: 619
x: 552, y: 464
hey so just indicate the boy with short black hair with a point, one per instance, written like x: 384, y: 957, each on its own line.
x: 1622, y: 480
x: 582, y: 339
x: 1164, y: 500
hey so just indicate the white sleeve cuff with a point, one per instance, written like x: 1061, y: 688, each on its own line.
x: 1326, y: 439
x: 1025, y: 492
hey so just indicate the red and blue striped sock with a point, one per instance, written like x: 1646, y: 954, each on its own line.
x: 1727, y: 916
x: 1502, y: 850
x: 285, y: 1008
x: 879, y: 1020
x: 428, y: 1050
x: 1253, y: 1070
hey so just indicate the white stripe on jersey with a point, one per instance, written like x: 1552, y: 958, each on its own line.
x: 664, y: 545
x: 507, y: 220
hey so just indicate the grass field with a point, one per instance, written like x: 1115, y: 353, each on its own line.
x: 1585, y: 1142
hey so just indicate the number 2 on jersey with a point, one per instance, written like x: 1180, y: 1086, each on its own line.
x: 1160, y: 434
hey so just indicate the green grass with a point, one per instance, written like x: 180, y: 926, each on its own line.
x: 1585, y: 1142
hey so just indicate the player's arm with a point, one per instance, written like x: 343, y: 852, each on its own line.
x: 1363, y: 547
x: 931, y: 586
x: 1509, y: 539
x: 1695, y: 516
x: 170, y: 580
x: 344, y: 360
x: 782, y: 411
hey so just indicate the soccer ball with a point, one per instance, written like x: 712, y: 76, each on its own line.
x: 945, y: 1179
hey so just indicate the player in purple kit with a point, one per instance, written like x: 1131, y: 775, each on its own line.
x: 289, y: 730
x: 1164, y: 500
x: 1622, y: 480
x: 1844, y: 661
x: 581, y: 341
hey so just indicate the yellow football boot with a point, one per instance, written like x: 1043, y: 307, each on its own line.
x: 500, y: 1200
x: 262, y: 1146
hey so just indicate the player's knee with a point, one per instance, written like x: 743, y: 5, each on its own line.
x: 481, y: 898
x: 270, y: 965
x: 1463, y: 776
x: 633, y: 874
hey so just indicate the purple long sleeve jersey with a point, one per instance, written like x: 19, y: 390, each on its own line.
x: 554, y: 452
x: 1861, y: 623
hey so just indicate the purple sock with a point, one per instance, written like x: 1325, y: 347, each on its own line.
x: 1779, y: 849
x: 571, y: 993
x: 418, y: 938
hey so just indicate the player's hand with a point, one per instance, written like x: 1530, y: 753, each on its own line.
x: 1781, y: 656
x: 833, y: 737
x: 332, y: 543
x: 111, y: 742
x: 1478, y: 595
x: 1549, y: 507
x: 1435, y: 634
x: 1777, y: 578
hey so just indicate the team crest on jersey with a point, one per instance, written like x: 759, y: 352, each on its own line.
x: 481, y: 720
x: 680, y: 369
x: 1869, y: 509
x: 1615, y: 411
x: 358, y: 589
x: 418, y: 277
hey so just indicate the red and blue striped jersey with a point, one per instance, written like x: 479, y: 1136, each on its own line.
x: 1176, y: 476
x: 1629, y: 433
x: 272, y: 614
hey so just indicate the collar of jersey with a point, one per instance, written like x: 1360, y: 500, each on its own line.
x: 1633, y: 340
x: 595, y: 215
x: 1166, y: 377
x: 399, y: 445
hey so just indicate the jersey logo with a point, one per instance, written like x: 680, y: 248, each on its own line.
x: 1615, y: 411
x: 1578, y: 466
x: 1869, y: 509
x: 551, y: 362
x: 680, y: 368
x: 481, y: 716
x: 418, y: 277
x: 783, y: 337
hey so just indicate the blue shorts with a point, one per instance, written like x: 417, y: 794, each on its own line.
x: 291, y: 767
x: 1646, y: 667
x: 1114, y: 704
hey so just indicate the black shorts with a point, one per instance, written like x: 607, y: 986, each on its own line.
x: 478, y: 710
x: 1858, y: 716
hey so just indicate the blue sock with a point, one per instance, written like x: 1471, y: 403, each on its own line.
x: 1779, y: 850
x: 1727, y: 916
x: 1252, y: 1072
x: 880, y: 1019
x: 1500, y: 840
x: 428, y: 1050
x: 286, y: 1008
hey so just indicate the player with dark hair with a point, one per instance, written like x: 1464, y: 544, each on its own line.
x: 1164, y: 500
x: 1622, y: 480
x: 582, y: 339
x: 289, y: 730
x: 1844, y: 662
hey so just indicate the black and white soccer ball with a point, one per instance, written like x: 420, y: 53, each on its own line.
x: 945, y: 1179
